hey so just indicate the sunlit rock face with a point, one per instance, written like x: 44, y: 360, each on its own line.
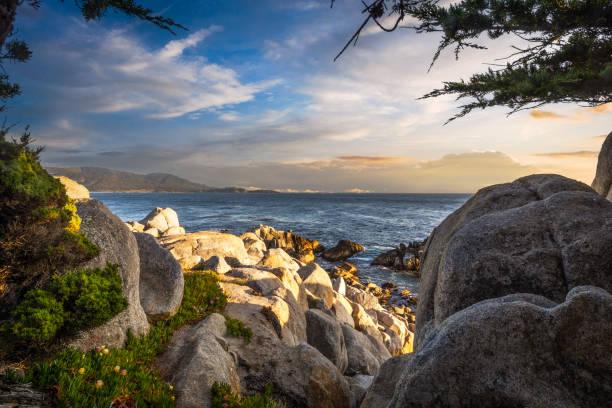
x: 603, y: 177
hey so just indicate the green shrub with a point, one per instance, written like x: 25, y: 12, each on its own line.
x: 238, y: 329
x: 90, y: 297
x: 223, y: 397
x: 39, y: 222
x: 38, y: 317
x: 76, y: 301
x: 140, y: 385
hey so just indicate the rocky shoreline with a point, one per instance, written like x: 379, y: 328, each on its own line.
x: 291, y: 303
x: 514, y: 306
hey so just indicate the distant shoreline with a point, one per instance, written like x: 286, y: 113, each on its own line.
x: 265, y: 192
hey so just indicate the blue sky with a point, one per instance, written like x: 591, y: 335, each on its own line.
x: 250, y: 96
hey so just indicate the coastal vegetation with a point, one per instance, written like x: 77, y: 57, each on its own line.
x: 40, y: 235
x: 70, y: 303
x: 128, y: 375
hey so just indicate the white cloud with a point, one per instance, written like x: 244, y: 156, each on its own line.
x: 121, y: 73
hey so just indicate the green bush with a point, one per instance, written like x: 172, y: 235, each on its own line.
x: 238, y: 329
x: 74, y: 376
x: 38, y: 317
x: 39, y: 235
x: 223, y: 397
x: 76, y: 301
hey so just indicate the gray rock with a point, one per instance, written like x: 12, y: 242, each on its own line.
x: 301, y: 376
x: 196, y: 358
x: 216, y: 264
x: 317, y: 281
x: 517, y: 350
x: 365, y: 353
x: 325, y: 334
x: 381, y: 391
x: 542, y: 234
x: 118, y: 246
x: 161, y: 279
x: 603, y: 176
x: 359, y: 385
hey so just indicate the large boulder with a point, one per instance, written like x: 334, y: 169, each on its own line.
x: 325, y: 334
x: 603, y: 176
x: 316, y: 280
x: 343, y: 250
x: 274, y: 315
x: 520, y: 350
x: 118, y: 246
x: 541, y: 234
x: 162, y: 219
x: 161, y: 279
x: 74, y: 190
x: 301, y: 376
x: 206, y: 244
x: 196, y: 358
x: 365, y: 353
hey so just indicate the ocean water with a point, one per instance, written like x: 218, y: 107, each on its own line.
x: 379, y: 222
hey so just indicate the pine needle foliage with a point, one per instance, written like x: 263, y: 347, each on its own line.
x: 565, y: 51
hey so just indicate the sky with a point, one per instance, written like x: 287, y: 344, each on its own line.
x: 250, y: 96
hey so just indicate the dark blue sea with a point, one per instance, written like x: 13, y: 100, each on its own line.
x: 379, y: 222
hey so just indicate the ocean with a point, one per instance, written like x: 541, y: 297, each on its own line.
x: 379, y: 222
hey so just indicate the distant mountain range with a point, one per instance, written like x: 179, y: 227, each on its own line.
x: 99, y: 179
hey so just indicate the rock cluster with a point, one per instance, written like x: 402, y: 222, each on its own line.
x: 515, y: 304
x: 295, y: 245
x: 319, y: 343
x: 403, y: 258
x: 160, y: 222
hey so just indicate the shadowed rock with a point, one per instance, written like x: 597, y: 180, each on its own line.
x: 542, y: 234
x: 161, y: 279
x: 515, y: 351
x: 343, y: 250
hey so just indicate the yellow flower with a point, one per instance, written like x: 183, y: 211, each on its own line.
x: 105, y: 351
x: 172, y: 398
x: 100, y: 354
x: 171, y: 387
x: 116, y: 369
x: 82, y: 356
x: 99, y: 384
x: 81, y: 370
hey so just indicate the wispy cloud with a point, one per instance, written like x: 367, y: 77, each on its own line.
x: 119, y: 73
x: 565, y: 155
